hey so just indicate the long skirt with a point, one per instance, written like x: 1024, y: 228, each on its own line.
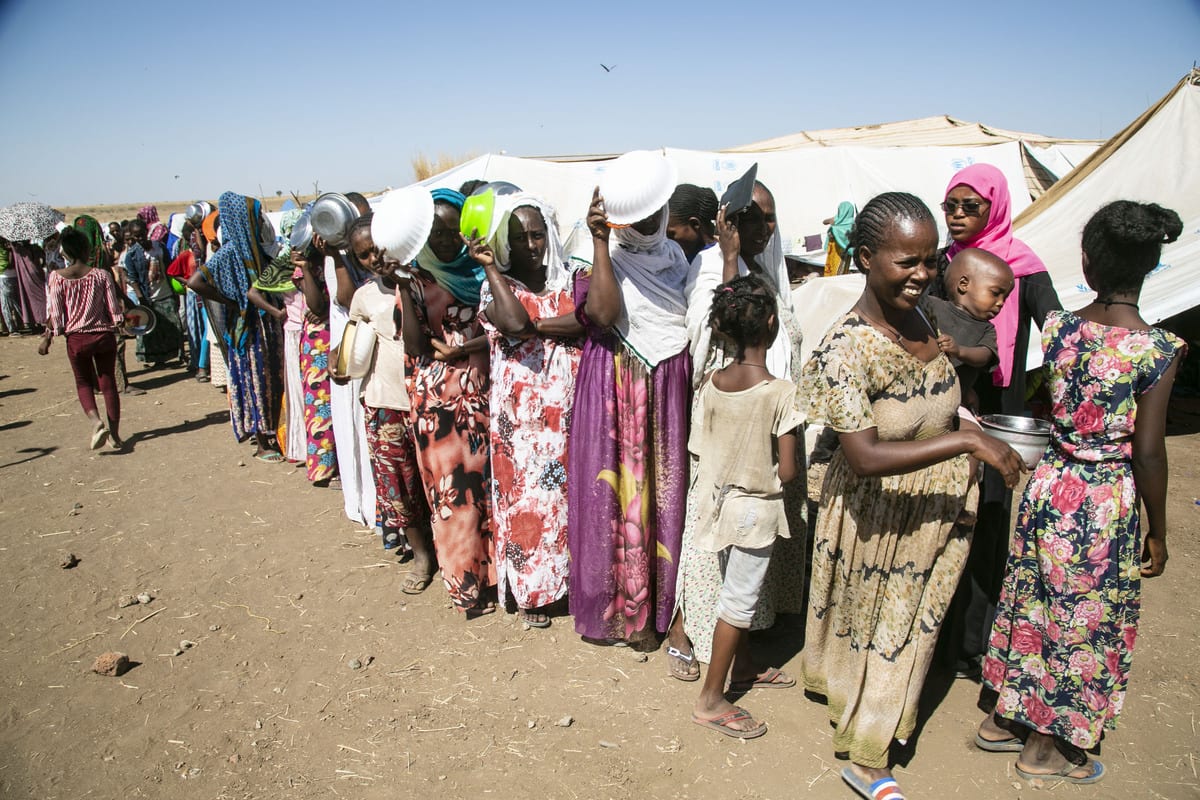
x: 31, y: 282
x: 165, y: 341
x: 295, y: 443
x: 399, y: 498
x: 256, y: 380
x: 353, y: 452
x: 319, y: 455
x: 213, y: 332
x: 194, y: 316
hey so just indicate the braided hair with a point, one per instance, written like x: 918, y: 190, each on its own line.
x: 1123, y: 241
x: 742, y: 311
x: 690, y: 200
x: 872, y: 224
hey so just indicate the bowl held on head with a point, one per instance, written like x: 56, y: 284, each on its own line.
x: 740, y: 194
x: 1026, y: 435
x: 479, y: 215
x: 636, y: 185
x: 302, y: 232
x: 331, y: 217
x: 402, y: 222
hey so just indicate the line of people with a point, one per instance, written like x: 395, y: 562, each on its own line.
x: 628, y: 436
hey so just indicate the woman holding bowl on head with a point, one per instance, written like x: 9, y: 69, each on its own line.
x: 529, y: 316
x: 627, y: 474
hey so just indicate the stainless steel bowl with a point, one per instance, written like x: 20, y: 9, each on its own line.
x: 302, y: 232
x: 1026, y: 435
x: 331, y: 217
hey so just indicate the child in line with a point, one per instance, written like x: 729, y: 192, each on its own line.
x: 1061, y: 647
x: 744, y: 435
x: 977, y: 283
x: 82, y: 306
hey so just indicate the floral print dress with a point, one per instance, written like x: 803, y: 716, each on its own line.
x: 533, y: 388
x: 1062, y: 643
x: 450, y: 417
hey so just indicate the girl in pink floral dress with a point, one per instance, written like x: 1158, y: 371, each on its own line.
x: 1061, y: 647
x: 529, y: 315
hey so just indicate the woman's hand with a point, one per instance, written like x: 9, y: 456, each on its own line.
x: 1154, y: 556
x: 479, y: 250
x: 728, y: 237
x: 597, y: 217
x: 999, y: 455
x: 279, y: 314
x: 313, y: 317
x: 445, y: 352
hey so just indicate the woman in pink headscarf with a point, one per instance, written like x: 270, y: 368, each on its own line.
x: 978, y: 213
x: 155, y: 230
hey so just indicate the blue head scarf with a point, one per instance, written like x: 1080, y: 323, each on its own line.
x: 462, y: 277
x: 233, y: 268
x: 843, y: 221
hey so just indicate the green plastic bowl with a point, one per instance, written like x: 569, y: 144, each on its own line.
x: 477, y: 215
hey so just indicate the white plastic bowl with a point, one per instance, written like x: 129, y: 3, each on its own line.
x: 402, y: 222
x: 636, y: 185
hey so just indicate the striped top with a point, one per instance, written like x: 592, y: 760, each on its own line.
x: 82, y: 305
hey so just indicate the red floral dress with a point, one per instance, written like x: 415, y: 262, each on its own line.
x: 533, y: 388
x: 1062, y: 643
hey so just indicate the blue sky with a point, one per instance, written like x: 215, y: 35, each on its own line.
x: 107, y: 103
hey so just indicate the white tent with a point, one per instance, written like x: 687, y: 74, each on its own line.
x: 1155, y: 159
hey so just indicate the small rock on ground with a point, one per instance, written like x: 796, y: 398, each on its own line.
x: 110, y: 664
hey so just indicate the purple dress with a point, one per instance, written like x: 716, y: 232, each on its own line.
x: 32, y: 282
x: 627, y: 483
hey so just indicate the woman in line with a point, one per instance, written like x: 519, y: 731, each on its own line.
x: 1062, y: 646
x: 529, y: 317
x: 255, y: 369
x: 27, y: 264
x: 146, y: 262
x: 214, y: 317
x: 286, y: 308
x: 82, y: 306
x: 401, y: 514
x: 320, y: 455
x: 155, y: 230
x: 887, y: 553
x: 449, y: 405
x: 977, y: 209
x: 750, y: 244
x: 627, y: 473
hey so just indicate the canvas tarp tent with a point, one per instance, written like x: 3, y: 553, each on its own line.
x: 1155, y: 159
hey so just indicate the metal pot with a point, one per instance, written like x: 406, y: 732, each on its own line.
x: 331, y: 217
x: 1026, y: 435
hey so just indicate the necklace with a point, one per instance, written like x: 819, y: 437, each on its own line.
x: 1110, y: 303
x: 748, y: 364
x: 886, y: 328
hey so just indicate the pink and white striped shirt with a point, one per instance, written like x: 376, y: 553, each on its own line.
x: 82, y: 305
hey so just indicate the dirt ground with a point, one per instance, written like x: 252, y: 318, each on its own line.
x: 279, y: 594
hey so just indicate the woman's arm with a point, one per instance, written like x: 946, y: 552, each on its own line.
x: 730, y: 242
x: 564, y: 326
x: 1038, y: 297
x: 603, y: 304
x: 415, y: 342
x: 789, y: 467
x: 257, y: 299
x: 505, y: 311
x: 869, y: 457
x: 1150, y: 468
x: 200, y: 285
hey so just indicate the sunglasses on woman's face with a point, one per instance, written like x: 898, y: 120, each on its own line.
x: 969, y: 207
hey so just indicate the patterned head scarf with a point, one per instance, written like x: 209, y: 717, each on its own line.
x: 155, y: 230
x: 462, y: 277
x: 277, y: 277
x: 95, y: 236
x: 996, y: 238
x: 554, y: 261
x: 235, y: 267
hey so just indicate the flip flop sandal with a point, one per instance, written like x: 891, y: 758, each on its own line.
x: 882, y: 789
x: 415, y: 584
x: 1064, y: 774
x: 1013, y: 744
x: 771, y: 679
x: 681, y: 664
x: 99, y: 437
x: 270, y: 457
x: 721, y: 724
x: 544, y: 622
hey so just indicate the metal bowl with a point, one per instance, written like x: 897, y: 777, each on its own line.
x: 1026, y: 435
x: 331, y: 217
x: 139, y: 320
x: 302, y: 232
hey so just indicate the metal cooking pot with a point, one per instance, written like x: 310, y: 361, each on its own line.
x: 331, y: 217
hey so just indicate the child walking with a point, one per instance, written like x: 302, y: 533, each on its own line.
x: 1061, y: 646
x: 82, y: 306
x: 744, y: 435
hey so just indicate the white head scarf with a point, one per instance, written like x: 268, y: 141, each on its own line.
x: 652, y: 272
x: 555, y: 259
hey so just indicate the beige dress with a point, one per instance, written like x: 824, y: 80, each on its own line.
x: 887, y: 555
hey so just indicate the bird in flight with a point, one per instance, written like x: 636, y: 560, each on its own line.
x: 608, y: 68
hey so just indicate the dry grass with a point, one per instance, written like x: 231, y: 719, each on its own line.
x: 424, y: 166
x: 122, y: 211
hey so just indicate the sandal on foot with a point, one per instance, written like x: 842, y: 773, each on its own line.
x: 721, y: 724
x: 882, y: 789
x: 1064, y: 774
x: 269, y: 456
x: 480, y: 611
x: 682, y: 666
x: 1013, y: 744
x: 415, y: 584
x: 772, y: 678
x: 534, y: 619
x: 99, y: 437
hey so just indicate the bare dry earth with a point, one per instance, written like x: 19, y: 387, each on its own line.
x: 280, y: 593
